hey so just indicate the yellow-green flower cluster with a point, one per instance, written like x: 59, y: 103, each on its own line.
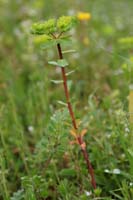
x: 46, y: 27
x: 37, y: 28
x: 50, y: 26
x: 49, y: 32
x: 65, y: 23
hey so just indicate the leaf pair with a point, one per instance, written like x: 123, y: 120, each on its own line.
x: 59, y: 63
x: 46, y: 41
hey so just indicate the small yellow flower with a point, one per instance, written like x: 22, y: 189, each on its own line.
x: 84, y: 16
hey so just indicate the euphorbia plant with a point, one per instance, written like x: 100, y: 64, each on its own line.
x: 54, y: 33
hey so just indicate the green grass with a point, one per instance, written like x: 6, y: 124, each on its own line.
x: 36, y: 160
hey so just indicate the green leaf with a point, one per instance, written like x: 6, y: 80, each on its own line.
x: 44, y: 41
x: 59, y: 63
x: 62, y: 103
x: 68, y: 173
x: 62, y: 63
x: 64, y: 41
x: 57, y: 81
x: 48, y: 44
x: 53, y: 63
x: 69, y: 51
x: 19, y: 195
x: 68, y: 73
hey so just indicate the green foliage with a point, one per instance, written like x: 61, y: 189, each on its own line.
x: 54, y: 141
x: 126, y: 42
x: 63, y: 189
x: 19, y: 195
x: 35, y: 187
x: 68, y: 173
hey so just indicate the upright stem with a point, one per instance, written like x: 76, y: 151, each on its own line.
x: 66, y: 89
x: 80, y: 140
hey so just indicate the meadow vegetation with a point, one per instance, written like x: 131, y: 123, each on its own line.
x: 38, y: 160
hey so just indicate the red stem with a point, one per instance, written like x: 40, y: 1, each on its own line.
x: 89, y: 166
x: 80, y: 140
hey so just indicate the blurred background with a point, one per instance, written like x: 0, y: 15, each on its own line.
x: 98, y: 57
x: 103, y: 64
